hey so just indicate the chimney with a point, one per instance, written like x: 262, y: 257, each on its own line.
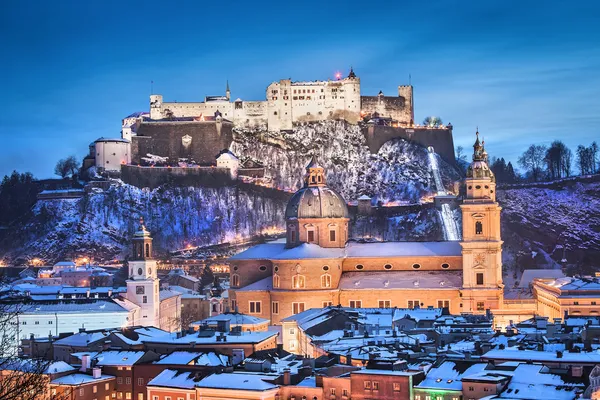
x: 96, y: 372
x: 287, y: 379
x: 85, y: 362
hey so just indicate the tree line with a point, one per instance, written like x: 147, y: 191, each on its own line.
x: 542, y: 163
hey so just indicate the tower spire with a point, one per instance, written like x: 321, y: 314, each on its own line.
x: 227, y: 91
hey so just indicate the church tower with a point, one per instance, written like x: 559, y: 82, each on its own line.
x: 143, y: 283
x: 481, y: 244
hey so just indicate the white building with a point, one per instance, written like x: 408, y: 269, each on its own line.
x: 110, y: 154
x: 228, y: 160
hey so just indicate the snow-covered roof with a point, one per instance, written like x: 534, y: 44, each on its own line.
x: 227, y: 155
x: 119, y: 358
x: 82, y: 339
x: 543, y: 356
x: 417, y: 280
x: 175, y: 379
x: 263, y: 251
x: 239, y: 381
x: 118, y: 140
x: 209, y: 359
x: 308, y: 250
x: 79, y: 379
x: 530, y: 381
x: 383, y: 372
x: 403, y: 249
x: 187, y: 293
x: 77, y: 306
x: 65, y: 264
x: 167, y: 294
x: 364, y: 197
x: 448, y: 375
x: 234, y: 319
x: 530, y: 274
x: 197, y: 338
x: 56, y: 367
x: 575, y: 284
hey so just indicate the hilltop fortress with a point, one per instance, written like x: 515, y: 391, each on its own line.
x: 290, y: 102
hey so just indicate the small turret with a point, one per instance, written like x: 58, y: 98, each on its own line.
x: 351, y: 75
x: 227, y: 91
x: 315, y: 174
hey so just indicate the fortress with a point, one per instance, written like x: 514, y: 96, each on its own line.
x: 290, y: 102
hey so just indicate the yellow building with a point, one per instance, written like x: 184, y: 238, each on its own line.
x: 575, y: 296
x: 316, y: 266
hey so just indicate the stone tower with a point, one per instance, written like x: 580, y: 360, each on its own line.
x: 481, y: 244
x: 143, y: 283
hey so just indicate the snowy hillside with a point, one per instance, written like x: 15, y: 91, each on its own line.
x: 101, y: 225
x: 551, y: 222
x: 398, y: 172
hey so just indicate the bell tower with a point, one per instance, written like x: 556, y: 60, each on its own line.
x: 143, y: 283
x: 481, y: 244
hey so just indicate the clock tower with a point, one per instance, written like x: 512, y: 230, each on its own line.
x: 481, y: 244
x: 143, y: 283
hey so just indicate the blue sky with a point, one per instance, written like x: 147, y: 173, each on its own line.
x: 523, y: 71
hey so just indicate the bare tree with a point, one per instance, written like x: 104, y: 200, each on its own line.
x: 66, y: 167
x: 558, y: 159
x: 432, y: 121
x: 532, y: 160
x: 20, y: 378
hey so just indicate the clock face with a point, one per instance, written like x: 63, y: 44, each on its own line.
x: 140, y: 271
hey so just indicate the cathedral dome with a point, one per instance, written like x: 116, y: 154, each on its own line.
x: 316, y: 202
x: 315, y: 199
x: 479, y: 169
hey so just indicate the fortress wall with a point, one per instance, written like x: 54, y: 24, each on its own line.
x: 165, y: 139
x: 440, y: 138
x: 397, y: 108
x: 153, y: 177
x: 197, y: 109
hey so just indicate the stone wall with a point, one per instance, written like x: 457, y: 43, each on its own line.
x: 396, y: 108
x: 153, y: 177
x: 439, y: 138
x: 165, y: 139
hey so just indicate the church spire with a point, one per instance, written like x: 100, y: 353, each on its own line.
x: 227, y: 91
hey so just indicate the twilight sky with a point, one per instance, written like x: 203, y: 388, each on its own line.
x: 523, y: 71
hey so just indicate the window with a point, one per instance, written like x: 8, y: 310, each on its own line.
x: 292, y: 236
x: 332, y: 391
x: 367, y: 385
x: 139, y: 290
x: 345, y: 392
x: 292, y: 331
x: 311, y: 236
x: 387, y: 266
x: 147, y: 250
x: 414, y: 303
x: 275, y: 307
x: 480, y: 306
x: 471, y: 388
x: 575, y: 303
x: 233, y: 305
x: 119, y: 380
x: 95, y: 389
x: 396, y: 387
x: 479, y: 276
x: 375, y: 385
x: 235, y: 280
x: 326, y: 280
x: 106, y: 386
x: 593, y: 303
x: 385, y: 303
x: 332, y: 235
x: 325, y: 268
x: 443, y: 303
x: 144, y: 299
x: 276, y: 281
x: 359, y: 266
x: 128, y: 395
x: 445, y: 266
x: 298, y: 282
x: 297, y: 308
x: 140, y: 396
x: 478, y: 228
x: 416, y: 266
x: 355, y: 303
x: 128, y: 380
x: 292, y: 344
x: 81, y: 392
x: 262, y: 268
x: 140, y: 381
x: 255, y: 307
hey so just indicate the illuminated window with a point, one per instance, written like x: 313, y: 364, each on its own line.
x: 355, y: 303
x: 367, y: 385
x: 297, y: 308
x: 298, y: 282
x: 396, y: 387
x: 385, y: 304
x: 235, y: 280
x: 326, y: 280
x: 480, y: 306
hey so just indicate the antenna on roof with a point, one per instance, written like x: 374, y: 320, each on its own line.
x: 151, y: 87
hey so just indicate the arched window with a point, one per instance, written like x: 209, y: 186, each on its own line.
x: 326, y: 280
x: 148, y: 250
x: 235, y: 280
x: 478, y: 228
x: 298, y: 282
x: 276, y: 281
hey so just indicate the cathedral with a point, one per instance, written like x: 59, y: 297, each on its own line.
x: 317, y: 266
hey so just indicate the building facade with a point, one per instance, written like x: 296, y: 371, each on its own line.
x: 315, y: 266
